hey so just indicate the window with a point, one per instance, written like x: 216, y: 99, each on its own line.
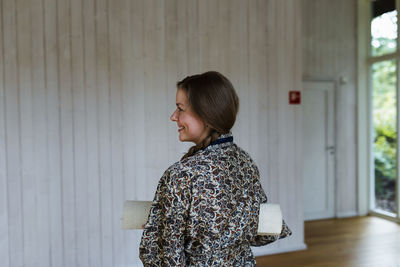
x: 383, y: 62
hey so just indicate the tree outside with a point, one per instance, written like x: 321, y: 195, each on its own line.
x: 384, y: 35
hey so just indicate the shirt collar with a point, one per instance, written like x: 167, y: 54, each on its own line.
x: 226, y: 138
x: 223, y: 140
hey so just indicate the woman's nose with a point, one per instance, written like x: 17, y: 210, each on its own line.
x: 173, y: 116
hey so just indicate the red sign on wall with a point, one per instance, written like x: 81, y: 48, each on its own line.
x: 294, y: 97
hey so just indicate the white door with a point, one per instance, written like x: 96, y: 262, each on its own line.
x: 318, y: 150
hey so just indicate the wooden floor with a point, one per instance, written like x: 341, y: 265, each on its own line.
x: 354, y: 242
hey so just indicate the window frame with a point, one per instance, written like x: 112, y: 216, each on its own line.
x: 365, y: 159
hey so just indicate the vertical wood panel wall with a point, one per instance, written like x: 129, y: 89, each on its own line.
x: 86, y: 90
x: 330, y: 53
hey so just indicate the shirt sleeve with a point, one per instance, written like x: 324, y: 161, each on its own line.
x: 163, y: 237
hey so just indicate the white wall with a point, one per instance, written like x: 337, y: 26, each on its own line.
x: 86, y: 91
x: 330, y: 53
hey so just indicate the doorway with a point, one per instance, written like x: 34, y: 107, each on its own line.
x: 319, y: 149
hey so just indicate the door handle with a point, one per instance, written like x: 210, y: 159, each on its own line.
x: 331, y: 149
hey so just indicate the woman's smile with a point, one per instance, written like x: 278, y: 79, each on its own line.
x: 191, y: 127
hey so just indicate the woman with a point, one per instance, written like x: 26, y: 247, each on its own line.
x: 205, y: 210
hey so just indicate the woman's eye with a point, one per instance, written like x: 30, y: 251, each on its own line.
x: 179, y: 109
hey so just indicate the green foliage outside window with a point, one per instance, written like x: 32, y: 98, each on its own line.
x: 385, y: 136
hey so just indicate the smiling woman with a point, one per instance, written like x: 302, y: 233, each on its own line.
x: 212, y: 105
x: 190, y: 127
x: 206, y: 207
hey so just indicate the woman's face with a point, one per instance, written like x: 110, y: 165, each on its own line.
x: 190, y: 127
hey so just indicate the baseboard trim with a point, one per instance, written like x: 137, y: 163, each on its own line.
x: 264, y: 251
x: 347, y: 214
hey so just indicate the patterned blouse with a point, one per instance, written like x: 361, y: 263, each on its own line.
x: 205, y: 211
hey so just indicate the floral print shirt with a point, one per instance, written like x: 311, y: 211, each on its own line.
x: 205, y: 211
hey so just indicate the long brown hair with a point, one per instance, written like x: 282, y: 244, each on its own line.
x: 213, y: 98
